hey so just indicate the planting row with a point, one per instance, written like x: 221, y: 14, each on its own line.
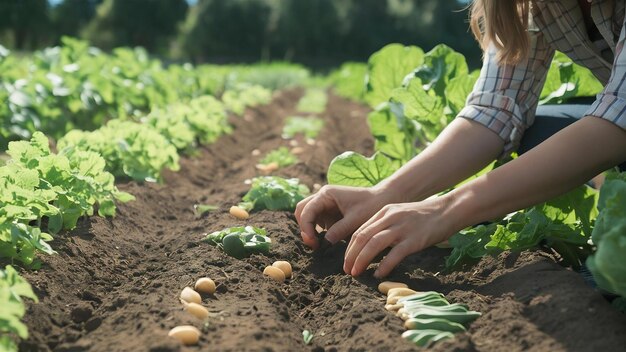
x: 77, y: 86
x: 43, y: 192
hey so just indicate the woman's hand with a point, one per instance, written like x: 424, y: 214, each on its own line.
x: 340, y: 210
x: 407, y: 227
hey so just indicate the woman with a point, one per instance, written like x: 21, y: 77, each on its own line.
x: 519, y: 38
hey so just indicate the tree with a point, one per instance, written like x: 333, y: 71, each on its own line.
x: 146, y: 23
x: 310, y: 28
x: 233, y: 29
x: 70, y: 16
x: 26, y: 20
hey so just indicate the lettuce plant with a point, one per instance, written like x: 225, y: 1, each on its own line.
x: 130, y: 149
x: 609, y: 235
x: 274, y: 193
x: 39, y: 187
x: 281, y: 156
x: 13, y: 289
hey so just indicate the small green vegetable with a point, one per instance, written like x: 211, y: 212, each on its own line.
x: 425, y: 337
x: 421, y: 296
x: 434, y: 324
x: 202, y: 209
x: 233, y: 246
x: 461, y: 308
x: 435, y: 302
x: 240, y: 242
x: 436, y: 313
x: 307, y: 336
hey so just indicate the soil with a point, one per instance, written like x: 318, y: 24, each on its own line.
x: 115, y: 282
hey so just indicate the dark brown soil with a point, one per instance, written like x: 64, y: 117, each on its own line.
x: 114, y: 284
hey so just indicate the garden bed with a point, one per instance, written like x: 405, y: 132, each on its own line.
x: 115, y: 282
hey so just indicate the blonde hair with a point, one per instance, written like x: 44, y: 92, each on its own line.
x: 503, y: 23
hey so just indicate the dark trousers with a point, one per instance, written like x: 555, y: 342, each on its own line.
x: 550, y: 119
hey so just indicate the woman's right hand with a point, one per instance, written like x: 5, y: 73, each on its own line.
x: 339, y: 209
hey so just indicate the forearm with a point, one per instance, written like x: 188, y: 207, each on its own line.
x: 461, y: 150
x: 563, y: 162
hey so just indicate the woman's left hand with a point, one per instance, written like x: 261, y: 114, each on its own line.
x: 407, y: 227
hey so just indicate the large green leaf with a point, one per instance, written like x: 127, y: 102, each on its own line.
x: 354, y: 169
x: 387, y: 69
x: 395, y: 135
x: 426, y: 109
x: 458, y: 89
x: 441, y: 64
x: 609, y: 235
x: 565, y: 80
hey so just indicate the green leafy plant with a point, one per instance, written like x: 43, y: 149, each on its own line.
x: 415, y: 96
x: 563, y: 224
x: 240, y: 242
x: 201, y: 120
x: 130, y: 149
x: 13, y: 288
x: 310, y: 127
x: 314, y: 101
x: 387, y: 69
x: 39, y: 187
x: 274, y: 193
x: 281, y: 156
x: 244, y: 95
x: 609, y: 235
x: 271, y: 75
x: 349, y: 80
x: 307, y: 337
x: 202, y: 209
x: 77, y: 86
x: 567, y: 80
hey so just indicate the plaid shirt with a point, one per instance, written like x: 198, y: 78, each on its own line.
x: 505, y: 97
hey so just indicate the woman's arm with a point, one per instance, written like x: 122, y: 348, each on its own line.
x: 462, y: 149
x: 501, y: 106
x: 498, y: 111
x: 564, y: 161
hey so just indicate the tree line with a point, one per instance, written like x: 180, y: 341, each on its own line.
x: 314, y: 32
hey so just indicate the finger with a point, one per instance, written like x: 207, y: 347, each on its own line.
x: 310, y: 242
x: 359, y: 240
x: 308, y: 220
x: 391, y: 260
x: 373, y: 247
x: 340, y: 230
x: 301, y: 204
x: 365, y: 225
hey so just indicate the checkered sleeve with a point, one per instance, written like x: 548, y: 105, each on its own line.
x: 610, y: 104
x: 505, y: 97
